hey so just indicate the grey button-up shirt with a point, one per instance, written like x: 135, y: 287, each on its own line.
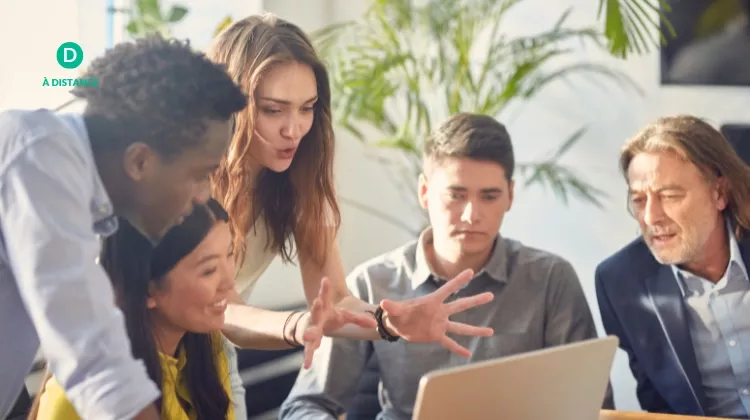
x: 538, y: 303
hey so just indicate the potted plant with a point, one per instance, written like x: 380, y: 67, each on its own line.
x: 406, y: 65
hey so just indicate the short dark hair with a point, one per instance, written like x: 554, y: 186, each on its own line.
x: 473, y: 136
x: 157, y: 91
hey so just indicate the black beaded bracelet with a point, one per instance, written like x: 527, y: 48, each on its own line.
x: 382, y: 330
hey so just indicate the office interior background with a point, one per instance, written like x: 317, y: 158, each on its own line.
x: 377, y: 216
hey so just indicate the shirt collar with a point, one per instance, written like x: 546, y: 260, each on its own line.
x: 496, y: 267
x: 105, y: 223
x: 173, y: 364
x: 735, y: 258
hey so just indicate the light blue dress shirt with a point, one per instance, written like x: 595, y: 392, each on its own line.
x: 52, y: 206
x: 719, y: 321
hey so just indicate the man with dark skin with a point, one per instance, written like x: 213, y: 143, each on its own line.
x: 153, y: 130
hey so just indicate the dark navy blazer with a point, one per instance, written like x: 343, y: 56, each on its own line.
x: 640, y: 302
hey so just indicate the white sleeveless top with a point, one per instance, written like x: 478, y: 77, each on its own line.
x: 257, y: 260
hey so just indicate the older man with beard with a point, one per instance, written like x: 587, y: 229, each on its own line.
x: 679, y: 297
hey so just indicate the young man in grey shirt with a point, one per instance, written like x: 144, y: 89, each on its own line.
x: 466, y: 188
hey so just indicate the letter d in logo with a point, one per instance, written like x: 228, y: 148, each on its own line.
x: 69, y: 55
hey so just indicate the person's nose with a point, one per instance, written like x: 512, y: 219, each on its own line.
x: 292, y: 128
x: 470, y: 213
x: 653, y: 211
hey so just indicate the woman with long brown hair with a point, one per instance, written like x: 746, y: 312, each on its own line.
x: 276, y: 182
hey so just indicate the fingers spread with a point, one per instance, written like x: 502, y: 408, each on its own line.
x: 466, y: 329
x: 315, y: 336
x: 308, y: 354
x: 455, y: 284
x: 453, y: 346
x: 460, y: 305
x: 316, y: 312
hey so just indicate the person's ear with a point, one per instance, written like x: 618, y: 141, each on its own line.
x: 511, y: 189
x: 422, y: 190
x: 140, y: 161
x: 151, y: 301
x: 721, y: 186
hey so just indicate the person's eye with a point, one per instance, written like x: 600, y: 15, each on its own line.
x: 207, y: 272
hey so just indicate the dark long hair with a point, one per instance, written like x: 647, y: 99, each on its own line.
x: 300, y: 203
x: 133, y: 265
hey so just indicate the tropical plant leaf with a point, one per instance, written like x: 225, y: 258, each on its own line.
x: 569, y: 143
x: 404, y: 65
x: 223, y: 24
x: 562, y: 181
x: 328, y: 36
x: 628, y: 25
x: 149, y: 8
x: 133, y: 28
x: 176, y: 13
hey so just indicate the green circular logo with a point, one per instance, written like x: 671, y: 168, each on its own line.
x: 69, y: 55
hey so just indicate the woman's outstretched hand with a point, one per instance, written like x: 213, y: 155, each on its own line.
x: 426, y: 319
x: 325, y: 318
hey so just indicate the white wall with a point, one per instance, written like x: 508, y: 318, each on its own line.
x: 31, y: 31
x: 582, y: 234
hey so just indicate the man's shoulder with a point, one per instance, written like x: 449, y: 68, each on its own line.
x: 32, y: 121
x: 528, y: 255
x: 389, y: 261
x: 537, y: 263
x: 634, y: 259
x: 20, y: 129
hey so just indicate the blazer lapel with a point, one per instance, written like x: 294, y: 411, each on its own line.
x: 745, y: 250
x: 670, y: 308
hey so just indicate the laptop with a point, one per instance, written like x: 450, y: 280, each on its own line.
x: 566, y: 382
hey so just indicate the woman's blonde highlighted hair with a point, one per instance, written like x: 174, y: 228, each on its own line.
x: 299, y: 205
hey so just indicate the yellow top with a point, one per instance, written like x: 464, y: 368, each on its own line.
x: 53, y: 405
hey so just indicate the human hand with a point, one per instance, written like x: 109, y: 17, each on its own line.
x: 324, y: 318
x: 427, y: 319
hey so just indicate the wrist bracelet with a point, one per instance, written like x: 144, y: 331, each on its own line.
x: 382, y: 330
x: 296, y: 343
x: 283, y: 331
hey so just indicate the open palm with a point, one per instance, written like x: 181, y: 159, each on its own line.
x: 427, y: 319
x: 325, y: 318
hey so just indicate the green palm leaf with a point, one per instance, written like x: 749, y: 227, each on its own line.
x: 633, y: 26
x: 403, y: 66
